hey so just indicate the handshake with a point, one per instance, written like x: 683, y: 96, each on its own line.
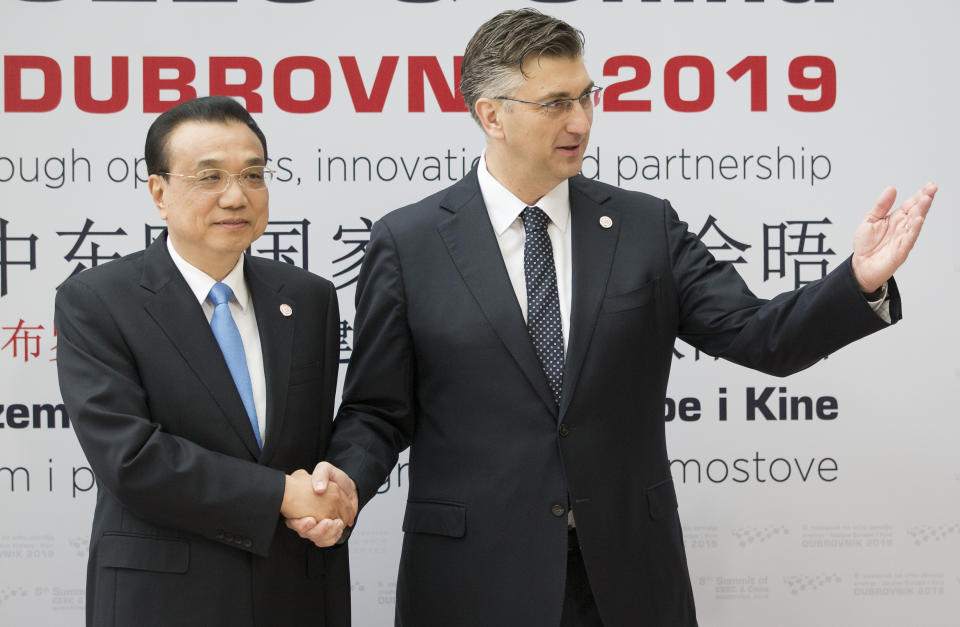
x: 319, y: 507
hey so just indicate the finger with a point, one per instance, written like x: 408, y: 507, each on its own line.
x: 301, y: 525
x: 925, y: 200
x: 908, y: 228
x: 336, y: 530
x: 911, y: 233
x: 343, y: 480
x: 327, y: 532
x: 883, y: 204
x: 347, y: 511
x: 921, y: 200
x: 910, y: 204
x: 349, y: 493
x: 325, y: 473
x: 320, y: 531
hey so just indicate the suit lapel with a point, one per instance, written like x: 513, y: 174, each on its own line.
x: 473, y: 247
x: 176, y: 310
x: 276, y: 342
x: 593, y: 247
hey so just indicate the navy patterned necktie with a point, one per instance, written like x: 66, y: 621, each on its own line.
x: 543, y: 301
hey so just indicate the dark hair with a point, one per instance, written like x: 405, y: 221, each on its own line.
x: 205, y: 109
x: 493, y: 61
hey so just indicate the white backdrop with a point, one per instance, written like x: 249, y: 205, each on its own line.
x: 847, y: 515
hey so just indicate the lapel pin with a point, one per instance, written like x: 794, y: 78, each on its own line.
x: 606, y: 222
x: 286, y: 310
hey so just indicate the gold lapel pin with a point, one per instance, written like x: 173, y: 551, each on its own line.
x: 286, y: 310
x: 606, y: 222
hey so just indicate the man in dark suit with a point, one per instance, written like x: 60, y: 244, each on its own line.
x: 516, y: 331
x: 198, y: 414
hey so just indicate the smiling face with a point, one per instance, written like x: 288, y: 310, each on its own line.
x: 209, y: 230
x: 531, y: 150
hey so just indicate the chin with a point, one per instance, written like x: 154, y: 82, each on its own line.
x: 573, y: 170
x: 238, y: 243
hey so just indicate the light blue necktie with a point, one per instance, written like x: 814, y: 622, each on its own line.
x: 228, y: 337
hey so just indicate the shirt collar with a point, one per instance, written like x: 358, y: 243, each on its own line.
x: 200, y: 282
x: 504, y: 208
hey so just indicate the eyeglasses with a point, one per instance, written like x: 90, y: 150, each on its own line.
x: 216, y: 181
x: 562, y: 106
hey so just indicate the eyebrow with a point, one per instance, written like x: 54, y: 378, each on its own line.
x: 558, y: 95
x: 216, y: 163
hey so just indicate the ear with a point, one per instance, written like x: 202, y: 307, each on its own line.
x: 157, y: 186
x: 490, y: 112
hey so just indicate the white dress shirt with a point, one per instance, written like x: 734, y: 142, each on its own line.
x: 504, y: 210
x: 241, y: 308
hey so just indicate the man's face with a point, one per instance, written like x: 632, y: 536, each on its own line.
x: 211, y: 230
x: 544, y: 148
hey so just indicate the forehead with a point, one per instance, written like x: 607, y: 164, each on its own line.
x: 197, y: 142
x: 555, y: 76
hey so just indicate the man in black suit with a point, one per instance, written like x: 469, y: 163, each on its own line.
x: 199, y: 413
x: 516, y: 331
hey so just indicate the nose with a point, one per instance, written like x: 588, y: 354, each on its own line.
x: 580, y: 119
x: 235, y: 195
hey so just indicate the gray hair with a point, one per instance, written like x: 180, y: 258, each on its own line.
x: 493, y: 61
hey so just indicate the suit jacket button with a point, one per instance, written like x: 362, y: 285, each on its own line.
x: 558, y: 510
x: 564, y: 430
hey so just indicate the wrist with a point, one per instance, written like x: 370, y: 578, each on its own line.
x: 876, y: 295
x: 289, y: 508
x: 285, y: 501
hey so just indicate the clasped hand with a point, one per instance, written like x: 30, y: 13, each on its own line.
x: 320, y: 506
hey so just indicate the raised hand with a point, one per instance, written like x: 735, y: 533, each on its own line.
x: 884, y: 238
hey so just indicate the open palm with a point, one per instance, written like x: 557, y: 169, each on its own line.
x: 884, y: 238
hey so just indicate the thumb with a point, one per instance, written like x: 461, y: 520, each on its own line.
x: 322, y: 474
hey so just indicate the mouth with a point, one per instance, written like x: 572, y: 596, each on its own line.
x: 232, y: 223
x: 571, y: 150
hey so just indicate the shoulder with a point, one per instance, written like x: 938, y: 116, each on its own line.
x: 622, y: 199
x: 428, y: 212
x: 286, y: 274
x: 108, y: 277
x: 425, y: 212
x: 99, y: 297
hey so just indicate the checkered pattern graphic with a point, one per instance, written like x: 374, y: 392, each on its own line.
x: 543, y: 302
